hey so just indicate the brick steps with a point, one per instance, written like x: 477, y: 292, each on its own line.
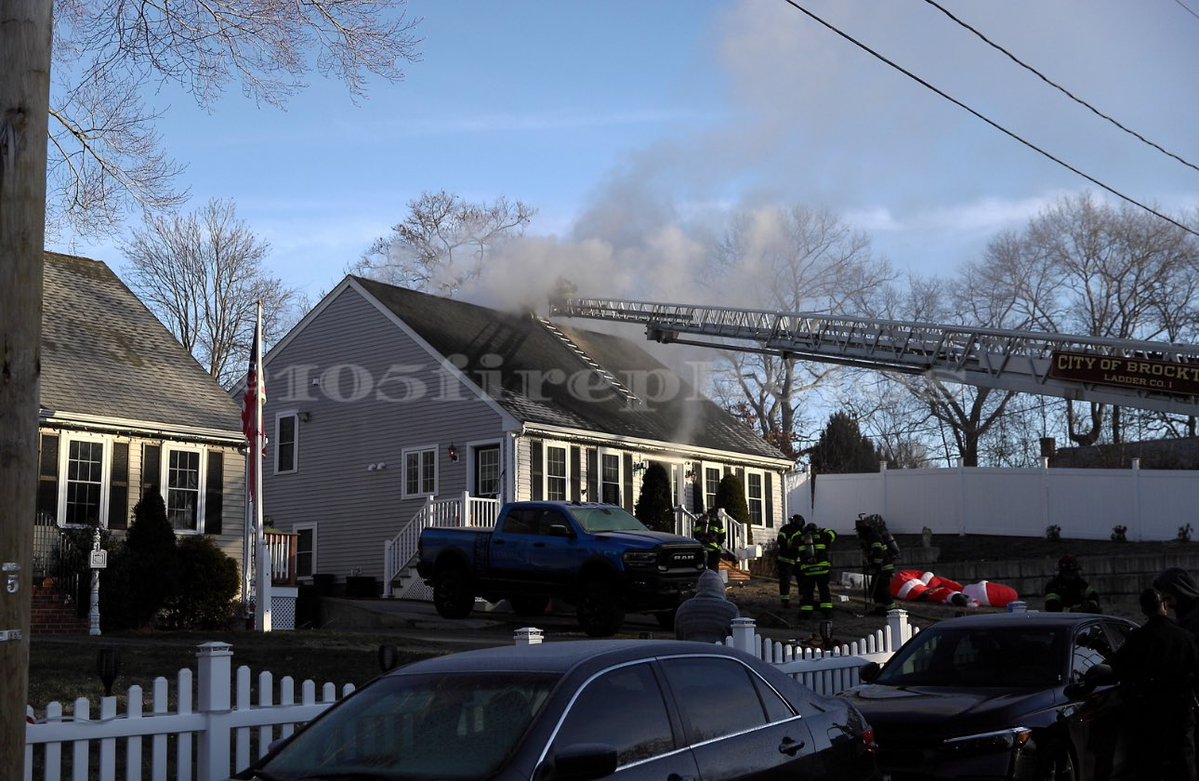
x: 52, y: 614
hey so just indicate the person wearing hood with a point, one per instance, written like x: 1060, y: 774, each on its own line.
x: 708, y: 615
x: 1182, y: 594
x: 1156, y: 668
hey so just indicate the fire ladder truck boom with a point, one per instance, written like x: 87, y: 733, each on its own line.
x: 1149, y: 375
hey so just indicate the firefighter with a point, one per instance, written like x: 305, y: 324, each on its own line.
x: 814, y: 570
x: 1156, y: 666
x: 709, y: 529
x: 879, y: 554
x: 1068, y: 592
x: 787, y: 558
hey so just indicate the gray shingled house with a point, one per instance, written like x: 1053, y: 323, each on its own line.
x: 125, y: 409
x: 392, y: 409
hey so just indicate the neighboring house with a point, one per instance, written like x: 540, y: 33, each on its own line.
x: 382, y: 400
x: 125, y: 409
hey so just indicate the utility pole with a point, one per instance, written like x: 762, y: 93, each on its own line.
x: 24, y: 111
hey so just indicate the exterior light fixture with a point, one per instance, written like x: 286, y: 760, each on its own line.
x: 453, y: 453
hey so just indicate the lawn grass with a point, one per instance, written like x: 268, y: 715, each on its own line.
x: 64, y: 668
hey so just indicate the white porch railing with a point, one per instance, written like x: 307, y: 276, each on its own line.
x: 736, y: 533
x: 465, y: 510
x: 281, y: 550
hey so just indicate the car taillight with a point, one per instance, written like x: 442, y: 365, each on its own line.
x: 868, y: 738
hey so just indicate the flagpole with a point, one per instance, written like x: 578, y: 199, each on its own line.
x: 262, y: 604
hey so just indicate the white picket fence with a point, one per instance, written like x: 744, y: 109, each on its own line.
x: 226, y: 730
x: 222, y: 733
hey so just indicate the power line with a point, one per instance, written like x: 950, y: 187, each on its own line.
x: 1058, y: 87
x: 991, y: 122
x: 1187, y: 8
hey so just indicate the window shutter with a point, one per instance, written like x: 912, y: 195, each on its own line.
x: 118, y: 487
x: 151, y: 472
x: 593, y: 475
x: 576, y: 459
x: 214, y: 492
x: 47, y: 478
x: 536, y: 470
x: 627, y: 499
x: 769, y: 491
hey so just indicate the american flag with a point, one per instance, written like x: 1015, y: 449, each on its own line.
x: 254, y: 396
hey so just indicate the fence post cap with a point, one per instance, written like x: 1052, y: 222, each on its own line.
x: 214, y: 648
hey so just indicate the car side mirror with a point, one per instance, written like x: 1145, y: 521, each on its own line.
x: 1099, y: 675
x: 560, y: 530
x: 580, y: 762
x: 868, y: 673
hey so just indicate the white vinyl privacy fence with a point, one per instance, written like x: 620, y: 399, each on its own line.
x: 226, y: 726
x: 1084, y: 503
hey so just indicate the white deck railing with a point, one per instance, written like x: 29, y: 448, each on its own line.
x: 465, y: 510
x: 736, y: 533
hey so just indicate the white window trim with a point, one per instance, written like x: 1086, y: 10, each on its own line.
x: 202, y: 477
x: 296, y: 528
x: 64, y: 456
x: 545, y: 472
x: 599, y: 477
x: 295, y: 449
x: 761, y: 473
x: 404, y: 472
x: 709, y: 501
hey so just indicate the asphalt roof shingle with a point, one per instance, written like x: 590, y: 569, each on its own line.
x: 545, y: 381
x: 105, y: 354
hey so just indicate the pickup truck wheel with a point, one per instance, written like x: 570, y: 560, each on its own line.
x: 525, y: 605
x: 452, y: 596
x: 599, y: 611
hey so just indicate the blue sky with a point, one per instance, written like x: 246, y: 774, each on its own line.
x: 625, y: 123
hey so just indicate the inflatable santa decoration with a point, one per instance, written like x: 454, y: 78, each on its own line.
x: 915, y: 586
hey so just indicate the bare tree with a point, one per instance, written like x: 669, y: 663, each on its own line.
x: 105, y: 154
x: 202, y: 275
x: 24, y: 95
x: 1111, y: 272
x: 443, y: 243
x: 790, y: 260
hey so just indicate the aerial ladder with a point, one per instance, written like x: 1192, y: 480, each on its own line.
x: 1149, y: 375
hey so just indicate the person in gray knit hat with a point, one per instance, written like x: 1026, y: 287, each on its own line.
x: 707, y: 616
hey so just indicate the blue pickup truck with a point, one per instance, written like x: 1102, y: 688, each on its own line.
x: 597, y: 557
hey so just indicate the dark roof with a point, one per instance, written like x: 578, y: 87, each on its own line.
x: 1174, y: 453
x: 528, y: 347
x: 105, y: 354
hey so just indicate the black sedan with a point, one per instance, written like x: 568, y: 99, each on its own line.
x: 635, y: 709
x: 999, y: 696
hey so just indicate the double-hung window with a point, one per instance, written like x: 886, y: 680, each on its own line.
x: 610, y: 478
x: 755, y: 498
x: 183, y: 487
x: 84, y: 498
x: 557, y: 478
x: 420, y: 472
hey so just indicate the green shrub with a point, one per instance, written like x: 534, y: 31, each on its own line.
x: 153, y: 566
x: 654, y: 507
x: 730, y: 497
x: 208, y: 584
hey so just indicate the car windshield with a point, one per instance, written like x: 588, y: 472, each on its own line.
x: 447, y: 726
x: 1021, y: 657
x: 607, y: 519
